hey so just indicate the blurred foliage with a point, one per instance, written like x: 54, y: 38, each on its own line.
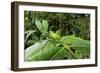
x: 53, y: 26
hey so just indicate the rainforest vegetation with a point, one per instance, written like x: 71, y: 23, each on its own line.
x: 56, y: 36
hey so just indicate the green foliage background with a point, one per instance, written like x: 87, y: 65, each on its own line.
x: 74, y: 24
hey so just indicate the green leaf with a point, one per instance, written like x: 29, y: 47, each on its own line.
x: 49, y: 52
x: 30, y: 50
x: 42, y: 26
x: 44, y: 54
x: 39, y: 25
x: 58, y: 32
x: 73, y: 41
x: 45, y: 25
x: 81, y: 46
x: 54, y: 35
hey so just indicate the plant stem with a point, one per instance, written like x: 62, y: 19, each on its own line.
x: 67, y: 48
x: 57, y: 54
x: 43, y: 48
